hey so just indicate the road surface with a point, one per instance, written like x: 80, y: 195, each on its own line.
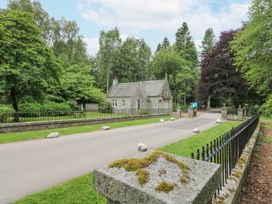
x: 32, y: 166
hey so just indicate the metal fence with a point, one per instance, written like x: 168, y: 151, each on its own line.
x: 227, y: 149
x: 10, y: 117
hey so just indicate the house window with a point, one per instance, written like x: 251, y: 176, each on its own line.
x: 123, y: 102
x: 138, y: 104
x: 114, y: 103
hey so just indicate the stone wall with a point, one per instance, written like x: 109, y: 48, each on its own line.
x: 231, y: 193
x: 26, y: 126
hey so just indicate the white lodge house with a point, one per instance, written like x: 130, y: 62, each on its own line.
x: 144, y: 96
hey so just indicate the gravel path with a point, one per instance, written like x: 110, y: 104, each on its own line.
x: 258, y: 188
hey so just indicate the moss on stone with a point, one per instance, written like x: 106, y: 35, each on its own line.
x: 137, y: 165
x: 165, y: 187
x: 143, y: 176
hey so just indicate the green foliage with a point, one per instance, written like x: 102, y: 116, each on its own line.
x: 168, y: 63
x: 108, y: 57
x: 4, y: 112
x: 143, y: 112
x: 47, y: 106
x: 266, y: 108
x: 77, y: 84
x: 208, y: 42
x: 185, y: 45
x: 252, y: 47
x: 134, y: 60
x: 105, y: 107
x: 27, y: 65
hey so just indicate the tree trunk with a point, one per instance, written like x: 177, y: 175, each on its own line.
x: 184, y: 99
x: 14, y: 105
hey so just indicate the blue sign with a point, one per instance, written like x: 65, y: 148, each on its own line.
x: 194, y: 105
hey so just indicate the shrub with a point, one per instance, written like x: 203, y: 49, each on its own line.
x: 5, y: 113
x: 105, y: 107
x: 266, y: 108
x: 45, y: 109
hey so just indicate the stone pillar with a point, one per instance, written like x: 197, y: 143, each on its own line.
x: 190, y: 112
x: 178, y: 112
x: 168, y: 180
x: 224, y: 112
x: 240, y: 113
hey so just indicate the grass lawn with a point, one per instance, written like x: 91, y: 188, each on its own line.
x: 80, y: 190
x: 190, y: 145
x: 29, y: 135
x: 76, y: 191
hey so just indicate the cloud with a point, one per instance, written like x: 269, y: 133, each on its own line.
x: 136, y: 16
x: 92, y: 45
x: 140, y: 15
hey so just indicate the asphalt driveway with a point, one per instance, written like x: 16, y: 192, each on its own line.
x: 32, y: 166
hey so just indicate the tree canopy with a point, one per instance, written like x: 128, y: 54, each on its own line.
x: 208, y: 42
x: 220, y: 79
x: 252, y: 47
x: 27, y: 65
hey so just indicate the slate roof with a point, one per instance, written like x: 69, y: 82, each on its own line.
x: 147, y: 88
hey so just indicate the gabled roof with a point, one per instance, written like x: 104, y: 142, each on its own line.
x: 147, y: 88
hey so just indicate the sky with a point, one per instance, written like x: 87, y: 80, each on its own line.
x: 151, y: 20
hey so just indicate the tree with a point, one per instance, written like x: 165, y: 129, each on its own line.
x: 185, y: 46
x: 134, y: 61
x: 165, y: 43
x: 108, y: 57
x: 27, y: 65
x: 34, y: 7
x: 220, y: 79
x: 67, y: 43
x: 77, y: 84
x: 252, y: 48
x: 208, y: 42
x: 167, y: 63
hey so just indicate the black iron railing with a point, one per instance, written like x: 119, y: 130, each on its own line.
x: 227, y: 149
x: 9, y: 117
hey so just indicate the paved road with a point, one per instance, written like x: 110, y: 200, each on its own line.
x: 31, y: 166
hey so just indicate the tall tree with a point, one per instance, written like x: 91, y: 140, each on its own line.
x: 168, y: 63
x: 134, y: 61
x: 208, y: 42
x: 219, y: 76
x: 252, y: 47
x: 165, y: 43
x: 185, y: 45
x: 108, y: 57
x: 34, y: 7
x: 27, y: 65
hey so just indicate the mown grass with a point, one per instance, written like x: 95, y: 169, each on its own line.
x: 76, y: 191
x: 190, y: 145
x: 29, y: 135
x: 80, y: 190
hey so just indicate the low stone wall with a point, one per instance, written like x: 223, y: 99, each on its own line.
x: 231, y: 193
x: 27, y: 126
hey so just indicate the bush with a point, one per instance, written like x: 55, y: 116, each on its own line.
x: 105, y: 107
x: 45, y: 109
x: 5, y: 112
x: 266, y: 108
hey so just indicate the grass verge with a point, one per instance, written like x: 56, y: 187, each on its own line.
x: 80, y: 190
x: 29, y: 135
